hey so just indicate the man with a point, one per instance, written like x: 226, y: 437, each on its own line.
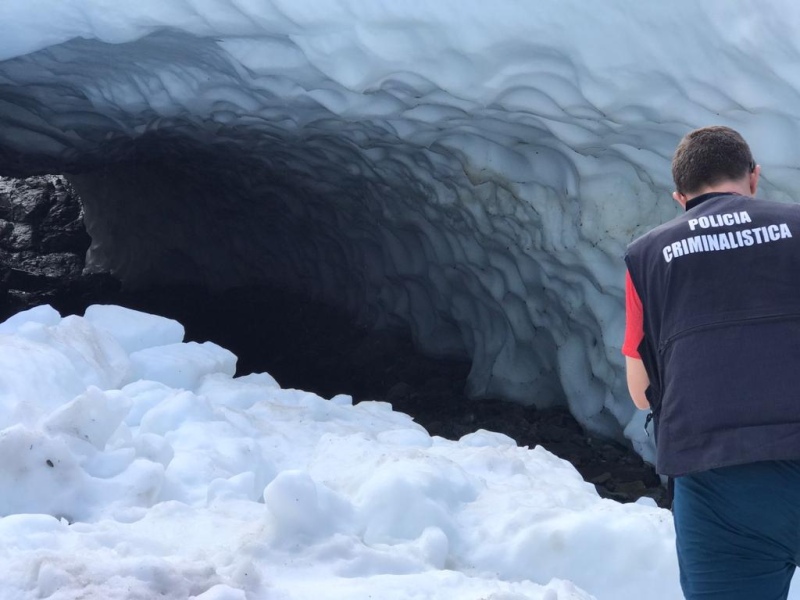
x: 713, y: 349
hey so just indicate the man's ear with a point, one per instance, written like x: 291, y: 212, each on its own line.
x: 680, y: 198
x: 754, y: 175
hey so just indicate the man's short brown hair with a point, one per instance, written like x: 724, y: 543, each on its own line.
x: 708, y: 156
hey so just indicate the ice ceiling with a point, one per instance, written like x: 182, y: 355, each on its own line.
x: 472, y: 170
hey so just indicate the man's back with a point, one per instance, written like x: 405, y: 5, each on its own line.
x: 712, y: 345
x: 721, y: 287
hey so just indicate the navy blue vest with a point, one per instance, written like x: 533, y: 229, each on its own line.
x: 720, y: 288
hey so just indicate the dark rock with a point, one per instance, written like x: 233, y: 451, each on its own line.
x: 43, y: 245
x: 16, y: 236
x: 26, y: 200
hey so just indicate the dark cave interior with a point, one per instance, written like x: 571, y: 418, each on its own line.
x: 302, y: 342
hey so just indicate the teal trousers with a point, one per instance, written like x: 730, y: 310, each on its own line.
x: 738, y: 531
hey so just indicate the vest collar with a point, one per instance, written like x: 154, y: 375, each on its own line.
x: 698, y: 200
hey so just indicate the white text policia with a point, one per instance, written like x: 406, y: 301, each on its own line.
x: 727, y: 240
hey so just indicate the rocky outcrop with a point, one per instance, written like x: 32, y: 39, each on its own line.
x: 43, y: 242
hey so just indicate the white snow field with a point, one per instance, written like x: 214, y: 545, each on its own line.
x: 134, y: 466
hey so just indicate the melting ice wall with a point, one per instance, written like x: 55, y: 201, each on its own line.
x: 469, y: 169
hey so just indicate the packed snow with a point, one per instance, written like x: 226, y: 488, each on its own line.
x: 135, y: 465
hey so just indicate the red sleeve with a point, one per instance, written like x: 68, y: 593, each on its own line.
x: 634, y: 320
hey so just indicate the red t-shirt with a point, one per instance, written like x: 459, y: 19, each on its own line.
x: 634, y: 320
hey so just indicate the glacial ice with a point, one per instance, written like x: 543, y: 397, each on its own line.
x: 470, y: 170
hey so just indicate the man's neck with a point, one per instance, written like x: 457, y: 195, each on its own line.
x: 726, y: 188
x: 698, y: 200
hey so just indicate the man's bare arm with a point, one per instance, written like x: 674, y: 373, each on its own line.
x: 638, y: 381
